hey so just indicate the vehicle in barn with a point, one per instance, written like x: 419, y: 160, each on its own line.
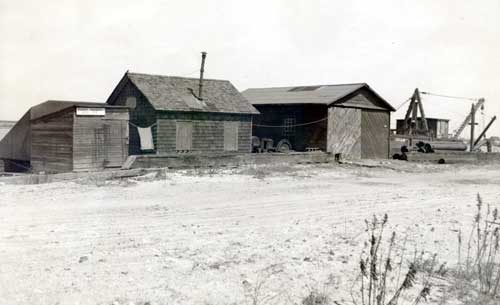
x: 350, y: 119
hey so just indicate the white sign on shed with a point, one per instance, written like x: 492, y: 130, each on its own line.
x: 90, y: 111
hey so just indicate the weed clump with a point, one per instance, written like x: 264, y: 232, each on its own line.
x: 383, y: 278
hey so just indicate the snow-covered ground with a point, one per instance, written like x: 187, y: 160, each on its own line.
x: 197, y: 237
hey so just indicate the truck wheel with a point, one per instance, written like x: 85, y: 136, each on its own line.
x: 284, y: 146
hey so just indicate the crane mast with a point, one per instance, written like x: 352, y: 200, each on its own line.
x: 462, y: 126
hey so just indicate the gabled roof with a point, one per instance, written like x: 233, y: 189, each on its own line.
x: 172, y: 93
x: 321, y: 94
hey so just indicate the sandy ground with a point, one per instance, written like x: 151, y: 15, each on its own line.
x: 211, y: 239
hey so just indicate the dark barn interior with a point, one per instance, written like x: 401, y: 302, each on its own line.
x: 301, y: 137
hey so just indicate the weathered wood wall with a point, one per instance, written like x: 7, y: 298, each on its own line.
x: 100, y: 142
x: 375, y: 133
x: 52, y: 143
x: 143, y: 115
x: 16, y: 144
x: 364, y: 99
x: 207, y: 131
x: 344, y: 132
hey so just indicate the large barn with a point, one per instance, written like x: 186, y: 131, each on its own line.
x: 61, y: 136
x: 350, y: 119
x: 176, y: 114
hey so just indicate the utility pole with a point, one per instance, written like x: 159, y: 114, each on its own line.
x: 472, y: 125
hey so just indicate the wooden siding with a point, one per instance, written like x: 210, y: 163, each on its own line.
x: 143, y: 115
x: 207, y: 131
x: 344, y: 131
x: 364, y: 99
x: 16, y: 144
x: 52, y: 144
x: 100, y: 142
x: 375, y: 129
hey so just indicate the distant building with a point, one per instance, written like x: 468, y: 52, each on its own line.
x: 171, y: 112
x: 438, y: 128
x: 59, y: 136
x: 350, y: 119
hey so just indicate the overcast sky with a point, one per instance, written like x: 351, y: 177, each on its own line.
x: 79, y: 49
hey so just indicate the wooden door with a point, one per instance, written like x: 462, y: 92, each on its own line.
x: 344, y: 132
x: 375, y: 134
x: 99, y: 147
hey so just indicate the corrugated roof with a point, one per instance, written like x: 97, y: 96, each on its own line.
x: 321, y: 94
x: 173, y: 93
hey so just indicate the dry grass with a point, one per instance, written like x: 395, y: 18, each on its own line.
x: 477, y: 275
x: 384, y: 277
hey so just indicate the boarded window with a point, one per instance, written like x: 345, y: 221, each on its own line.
x: 131, y: 102
x: 231, y: 136
x: 184, y: 135
x: 288, y: 127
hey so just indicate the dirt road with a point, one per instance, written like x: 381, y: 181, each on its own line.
x: 183, y: 239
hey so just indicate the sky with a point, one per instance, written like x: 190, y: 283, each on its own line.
x: 79, y: 50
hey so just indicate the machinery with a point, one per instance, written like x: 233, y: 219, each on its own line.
x: 261, y: 145
x: 416, y: 128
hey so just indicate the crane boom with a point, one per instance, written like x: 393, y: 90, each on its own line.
x: 460, y: 129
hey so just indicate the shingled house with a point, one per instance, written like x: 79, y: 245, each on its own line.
x: 180, y: 120
x: 350, y: 119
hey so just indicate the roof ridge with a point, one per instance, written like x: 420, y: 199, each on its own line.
x: 66, y: 101
x: 331, y: 85
x: 174, y: 76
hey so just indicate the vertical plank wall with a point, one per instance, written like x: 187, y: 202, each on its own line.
x: 375, y: 128
x: 344, y: 132
x: 100, y: 142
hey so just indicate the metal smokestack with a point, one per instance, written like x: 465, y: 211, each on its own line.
x: 200, y: 90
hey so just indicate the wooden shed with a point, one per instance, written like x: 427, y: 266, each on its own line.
x: 60, y: 136
x: 438, y: 128
x: 171, y: 113
x: 350, y: 119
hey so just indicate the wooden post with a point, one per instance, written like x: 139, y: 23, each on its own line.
x: 483, y: 133
x: 406, y: 126
x: 422, y: 113
x: 472, y: 124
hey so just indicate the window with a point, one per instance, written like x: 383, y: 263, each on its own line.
x: 289, y: 126
x: 231, y: 136
x: 184, y: 136
x: 131, y: 102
